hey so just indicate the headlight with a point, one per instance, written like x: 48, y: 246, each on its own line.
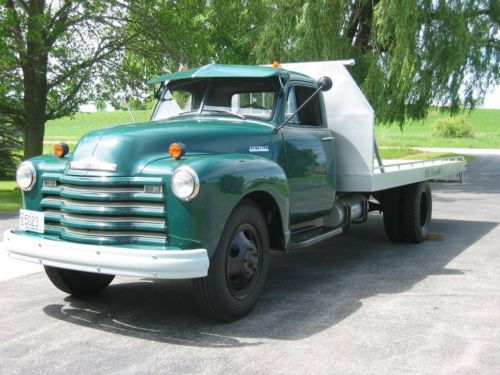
x: 26, y: 176
x: 185, y: 183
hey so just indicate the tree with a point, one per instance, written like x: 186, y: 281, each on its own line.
x: 10, y: 142
x: 410, y: 54
x: 55, y: 55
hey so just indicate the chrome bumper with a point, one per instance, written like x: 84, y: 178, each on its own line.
x: 159, y: 264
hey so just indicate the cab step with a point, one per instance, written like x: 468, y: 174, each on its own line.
x: 309, y: 237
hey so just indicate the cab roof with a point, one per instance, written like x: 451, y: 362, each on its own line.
x: 231, y: 71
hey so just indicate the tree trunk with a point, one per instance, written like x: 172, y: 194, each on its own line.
x: 33, y: 138
x: 35, y: 82
x: 35, y: 105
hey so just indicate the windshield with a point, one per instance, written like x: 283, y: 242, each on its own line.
x: 238, y: 97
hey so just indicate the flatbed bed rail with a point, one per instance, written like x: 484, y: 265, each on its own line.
x: 410, y: 164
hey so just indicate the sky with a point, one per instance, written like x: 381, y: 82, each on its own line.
x: 492, y: 99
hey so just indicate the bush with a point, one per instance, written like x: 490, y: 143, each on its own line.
x: 10, y: 144
x: 452, y: 127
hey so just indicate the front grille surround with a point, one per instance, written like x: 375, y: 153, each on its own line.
x: 105, y: 210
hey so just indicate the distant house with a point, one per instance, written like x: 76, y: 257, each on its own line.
x: 92, y: 107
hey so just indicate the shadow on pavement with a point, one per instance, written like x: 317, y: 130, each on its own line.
x: 306, y: 292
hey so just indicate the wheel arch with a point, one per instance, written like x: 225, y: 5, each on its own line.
x: 273, y: 216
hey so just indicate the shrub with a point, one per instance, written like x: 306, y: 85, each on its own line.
x: 10, y: 144
x: 452, y: 127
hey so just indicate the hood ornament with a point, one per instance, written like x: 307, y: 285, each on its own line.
x: 92, y: 164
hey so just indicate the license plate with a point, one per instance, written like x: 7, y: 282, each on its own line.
x: 32, y: 221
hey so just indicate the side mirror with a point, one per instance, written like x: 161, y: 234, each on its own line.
x: 325, y: 83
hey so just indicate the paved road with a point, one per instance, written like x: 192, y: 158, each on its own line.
x: 354, y: 304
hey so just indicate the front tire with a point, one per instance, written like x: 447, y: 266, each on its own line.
x: 78, y: 283
x: 238, y: 268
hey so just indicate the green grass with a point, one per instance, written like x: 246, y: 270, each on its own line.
x: 72, y: 128
x: 413, y: 154
x: 485, y: 124
x: 10, y: 196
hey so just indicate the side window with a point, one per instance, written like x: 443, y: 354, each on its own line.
x: 291, y: 106
x: 310, y: 115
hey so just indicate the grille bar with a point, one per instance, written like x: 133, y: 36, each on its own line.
x: 102, y: 194
x: 104, y: 208
x: 106, y: 237
x: 107, y: 222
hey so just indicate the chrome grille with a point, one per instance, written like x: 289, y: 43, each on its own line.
x: 105, y: 211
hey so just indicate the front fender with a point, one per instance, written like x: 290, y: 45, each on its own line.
x: 224, y: 181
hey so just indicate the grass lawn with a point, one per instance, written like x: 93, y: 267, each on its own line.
x: 10, y: 196
x: 72, y: 128
x: 413, y: 154
x: 484, y: 122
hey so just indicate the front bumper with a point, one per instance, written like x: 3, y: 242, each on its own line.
x: 159, y: 264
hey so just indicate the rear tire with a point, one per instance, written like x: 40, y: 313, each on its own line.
x: 78, y: 283
x: 418, y: 205
x: 238, y: 268
x: 394, y: 215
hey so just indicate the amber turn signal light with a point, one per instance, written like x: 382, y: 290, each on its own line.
x: 176, y: 150
x: 61, y: 149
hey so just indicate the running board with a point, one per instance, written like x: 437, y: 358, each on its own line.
x: 311, y: 237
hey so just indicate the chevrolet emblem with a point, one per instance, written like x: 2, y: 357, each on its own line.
x: 93, y: 164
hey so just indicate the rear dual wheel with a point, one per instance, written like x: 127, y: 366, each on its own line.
x: 408, y: 212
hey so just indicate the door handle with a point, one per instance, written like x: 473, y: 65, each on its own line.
x: 328, y: 139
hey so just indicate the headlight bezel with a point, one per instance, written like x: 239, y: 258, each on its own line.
x: 195, y: 180
x: 32, y: 170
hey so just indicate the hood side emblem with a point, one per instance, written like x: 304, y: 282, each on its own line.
x: 258, y: 149
x: 93, y: 164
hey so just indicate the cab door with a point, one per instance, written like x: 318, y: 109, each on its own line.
x: 307, y: 156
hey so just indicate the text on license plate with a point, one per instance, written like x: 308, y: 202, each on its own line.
x: 32, y: 221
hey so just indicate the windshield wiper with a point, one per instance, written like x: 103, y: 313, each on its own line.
x: 211, y: 110
x: 225, y: 111
x: 187, y: 112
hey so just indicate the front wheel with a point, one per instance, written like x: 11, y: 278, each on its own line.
x: 238, y: 268
x: 78, y: 283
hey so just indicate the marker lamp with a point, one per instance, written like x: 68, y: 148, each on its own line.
x: 61, y: 149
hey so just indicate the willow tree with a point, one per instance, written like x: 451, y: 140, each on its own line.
x: 410, y: 54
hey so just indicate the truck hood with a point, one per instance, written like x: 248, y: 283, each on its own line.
x: 125, y: 150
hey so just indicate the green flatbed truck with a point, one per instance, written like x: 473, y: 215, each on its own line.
x: 235, y: 161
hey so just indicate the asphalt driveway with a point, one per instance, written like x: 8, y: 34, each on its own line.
x: 353, y: 304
